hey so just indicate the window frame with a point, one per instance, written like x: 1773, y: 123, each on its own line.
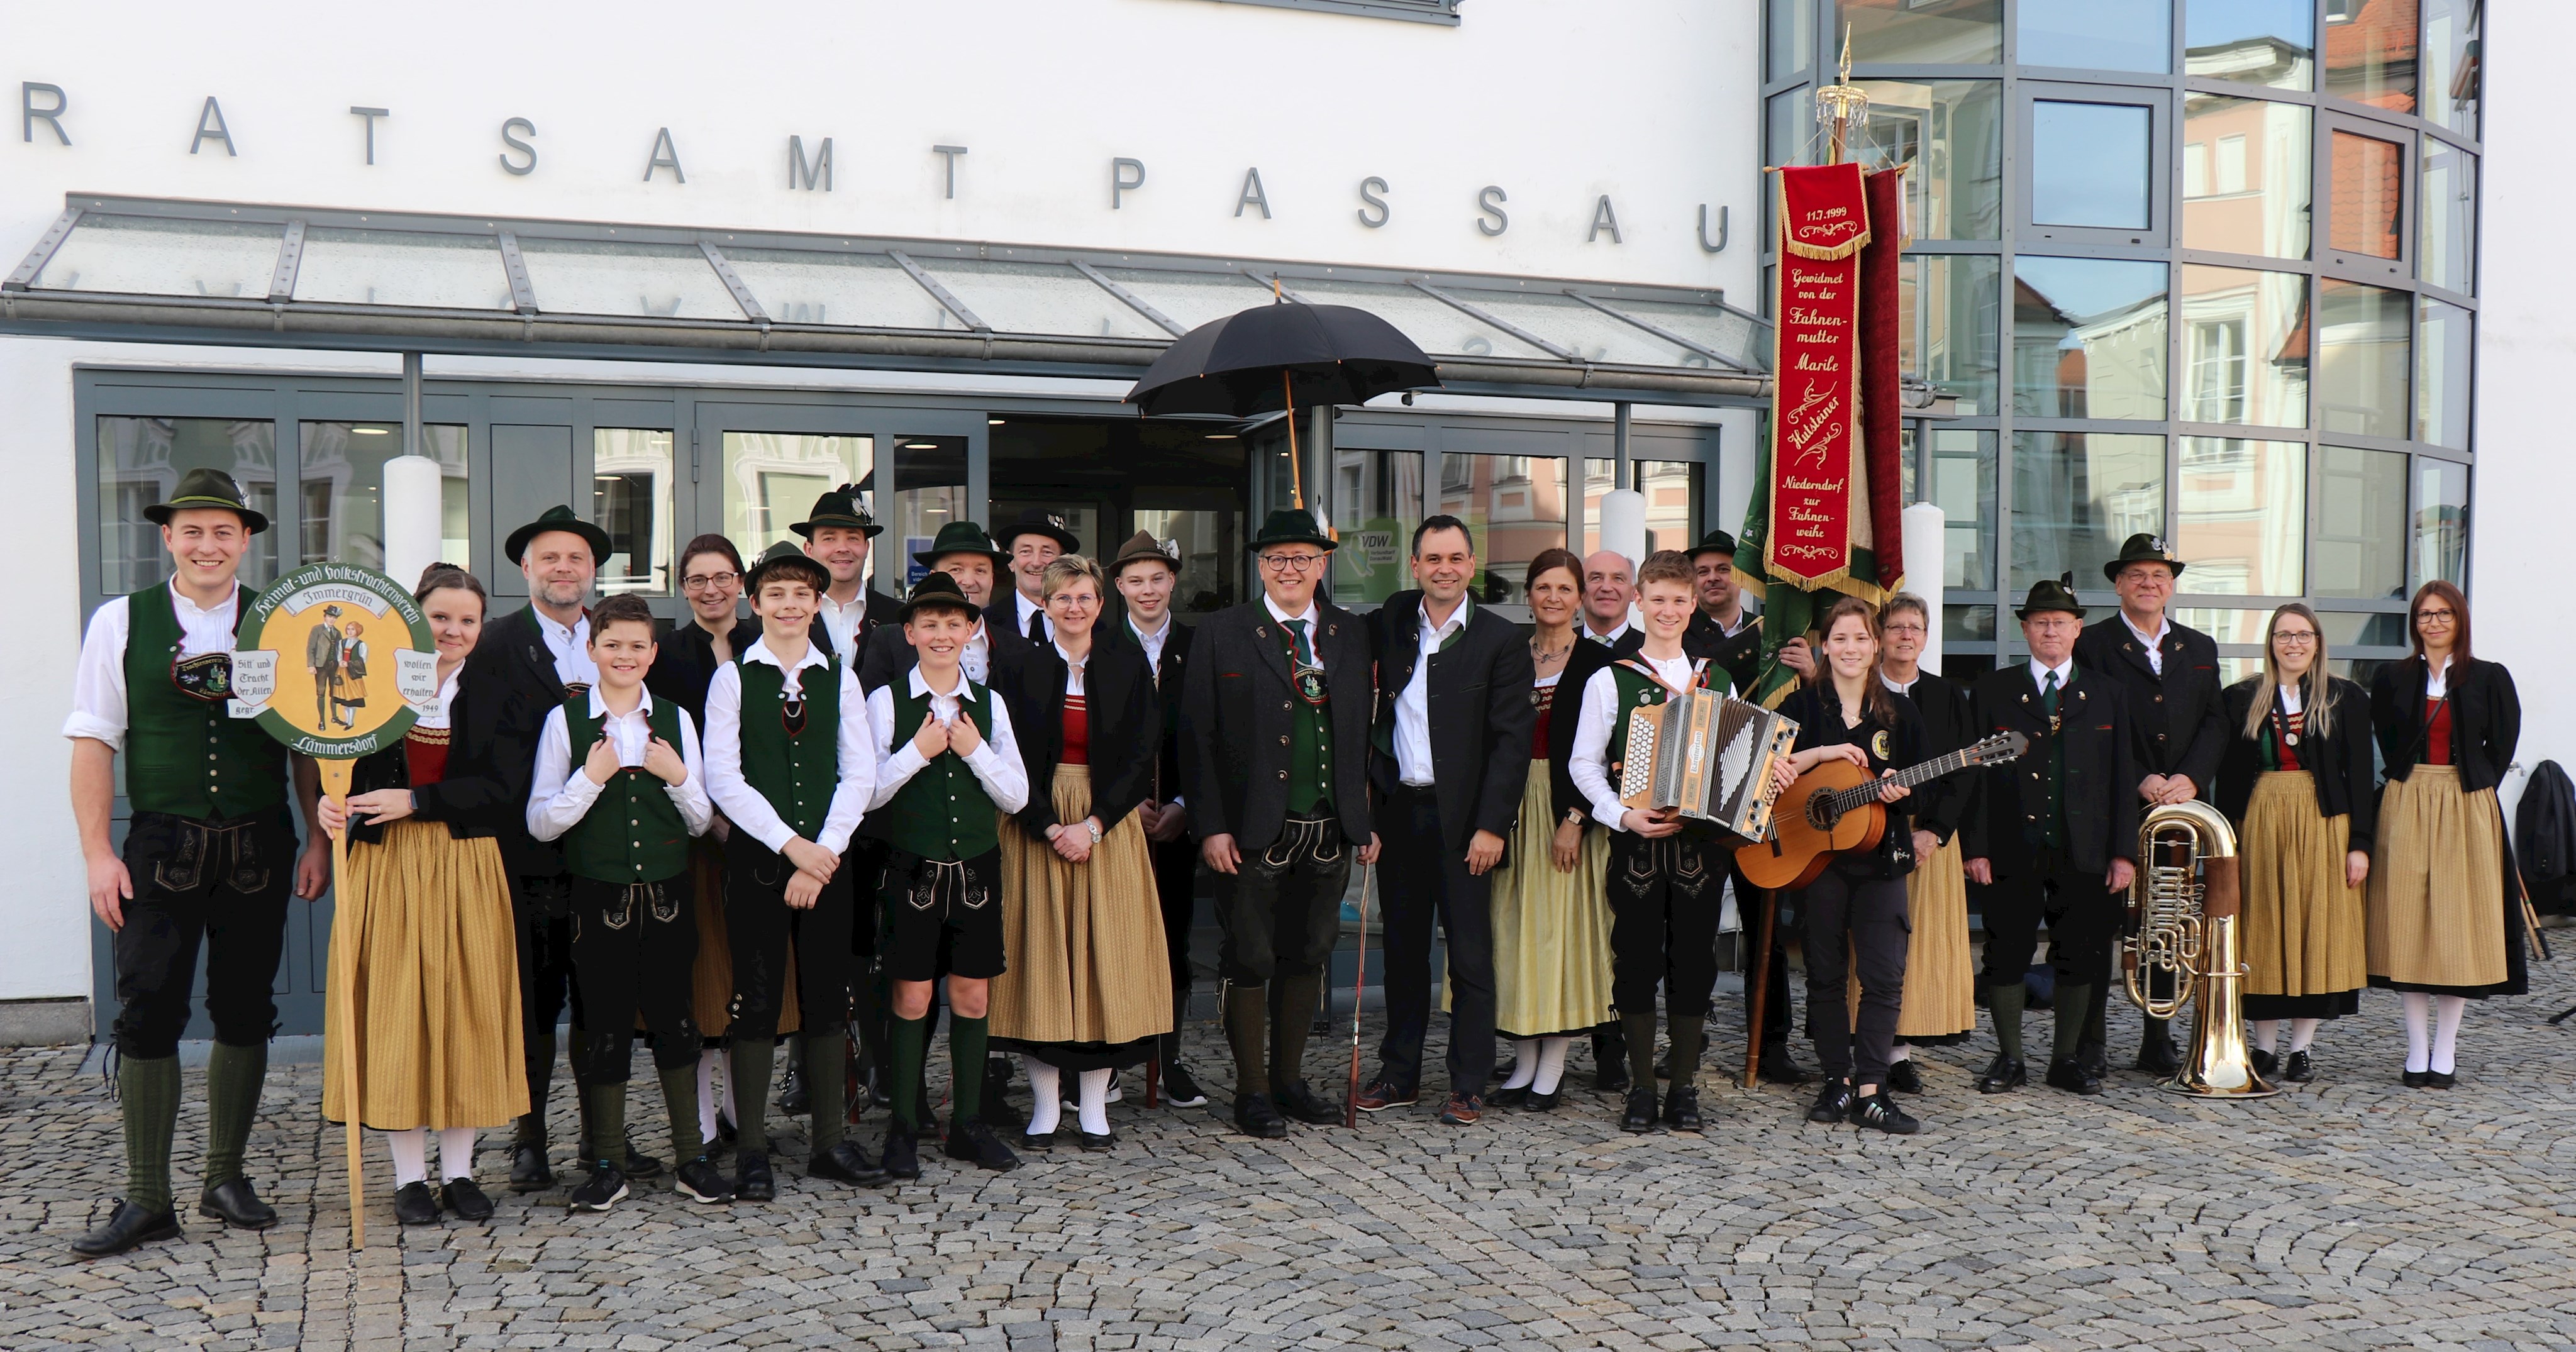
x: 2032, y: 237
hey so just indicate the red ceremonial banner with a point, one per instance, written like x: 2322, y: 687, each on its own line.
x: 1881, y: 308
x: 1815, y: 416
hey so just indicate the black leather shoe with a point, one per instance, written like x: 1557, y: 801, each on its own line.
x: 791, y: 1089
x: 2298, y: 1069
x: 1038, y: 1142
x: 700, y: 1181
x: 605, y: 1188
x: 2440, y: 1079
x: 1301, y: 1104
x: 1180, y: 1088
x: 1610, y: 1060
x: 2091, y: 1055
x: 2264, y: 1062
x: 969, y: 1139
x: 235, y: 1204
x: 752, y: 1179
x: 997, y: 1109
x: 1542, y: 1103
x: 1256, y: 1115
x: 414, y: 1206
x: 902, y: 1154
x: 1681, y: 1108
x: 464, y: 1200
x: 529, y: 1171
x: 1879, y: 1112
x: 640, y: 1165
x: 1508, y: 1098
x: 1639, y: 1117
x: 2156, y: 1055
x: 2070, y: 1075
x: 1664, y: 1065
x: 2002, y: 1075
x: 1779, y: 1067
x: 1098, y: 1140
x: 726, y: 1131
x: 129, y: 1226
x: 2416, y: 1079
x: 1833, y: 1102
x: 1903, y: 1078
x: 845, y: 1162
x: 1610, y: 1078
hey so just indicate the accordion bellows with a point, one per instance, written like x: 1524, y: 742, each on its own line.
x: 1708, y: 755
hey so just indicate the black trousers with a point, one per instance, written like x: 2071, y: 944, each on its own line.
x: 1176, y: 884
x: 221, y: 885
x: 2081, y: 917
x: 1775, y: 975
x: 1281, y: 912
x: 541, y: 913
x: 1664, y: 901
x: 632, y: 948
x: 1426, y: 879
x: 1855, y: 921
x: 760, y: 926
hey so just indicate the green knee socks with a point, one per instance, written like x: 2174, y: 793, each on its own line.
x: 234, y: 1076
x: 966, y: 1041
x: 907, y: 1041
x: 2005, y: 1003
x: 752, y: 1058
x: 1290, y: 1022
x: 1690, y: 1036
x: 540, y: 1057
x: 827, y: 1084
x: 606, y: 1105
x: 680, y: 1100
x: 1640, y: 1030
x: 1247, y: 1030
x: 2072, y: 1001
x: 148, y: 1090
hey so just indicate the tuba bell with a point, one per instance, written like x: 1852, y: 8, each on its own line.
x: 2180, y: 946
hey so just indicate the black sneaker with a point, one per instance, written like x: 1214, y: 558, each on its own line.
x: 529, y: 1171
x: 901, y: 1157
x: 1903, y: 1078
x: 1640, y: 1115
x: 605, y: 1188
x: 414, y: 1206
x: 1180, y: 1090
x: 700, y: 1181
x: 752, y: 1180
x: 969, y: 1139
x: 1879, y: 1112
x: 2298, y: 1069
x: 1833, y: 1102
x: 127, y: 1227
x: 1681, y: 1108
x: 464, y: 1200
x: 845, y: 1162
x: 1256, y: 1115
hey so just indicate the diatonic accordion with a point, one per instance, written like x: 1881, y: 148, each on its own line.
x: 1708, y: 755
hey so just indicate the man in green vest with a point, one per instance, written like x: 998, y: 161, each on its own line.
x: 206, y: 859
x: 949, y: 769
x: 624, y: 818
x: 788, y: 759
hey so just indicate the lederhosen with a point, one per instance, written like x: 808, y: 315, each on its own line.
x: 1664, y: 894
x: 940, y: 887
x: 634, y: 936
x: 210, y: 847
x: 1281, y: 915
x: 791, y: 757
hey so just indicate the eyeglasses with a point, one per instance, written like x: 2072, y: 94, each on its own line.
x: 708, y: 581
x: 2297, y: 638
x: 1892, y: 630
x: 2444, y: 616
x: 1292, y: 563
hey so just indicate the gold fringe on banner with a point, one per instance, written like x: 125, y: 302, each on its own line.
x: 1822, y: 252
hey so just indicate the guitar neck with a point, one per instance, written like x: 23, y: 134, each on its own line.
x: 1850, y: 798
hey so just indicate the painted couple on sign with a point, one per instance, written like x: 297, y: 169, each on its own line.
x: 336, y: 654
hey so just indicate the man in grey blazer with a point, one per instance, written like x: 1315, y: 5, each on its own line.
x: 1275, y: 709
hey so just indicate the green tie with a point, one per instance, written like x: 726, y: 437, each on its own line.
x: 1297, y: 632
x: 2048, y: 695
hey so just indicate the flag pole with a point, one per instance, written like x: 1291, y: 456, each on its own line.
x: 335, y: 784
x: 1359, y: 982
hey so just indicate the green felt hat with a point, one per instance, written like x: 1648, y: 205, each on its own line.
x: 1039, y: 521
x: 936, y: 590
x: 2142, y: 548
x: 960, y: 537
x: 2051, y: 594
x: 208, y: 488
x: 1715, y: 542
x: 559, y: 518
x: 840, y: 507
x: 783, y: 555
x: 1291, y: 526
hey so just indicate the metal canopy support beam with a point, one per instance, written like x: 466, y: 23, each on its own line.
x: 1556, y: 350
x: 290, y: 260
x: 522, y: 295
x: 1619, y: 442
x: 938, y: 292
x: 414, y: 441
x: 1661, y: 332
x: 43, y: 253
x: 1134, y: 302
x: 733, y: 282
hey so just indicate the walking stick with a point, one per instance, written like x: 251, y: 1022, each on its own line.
x: 335, y: 783
x: 1759, y: 982
x: 1359, y: 982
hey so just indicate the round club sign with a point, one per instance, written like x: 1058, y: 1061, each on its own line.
x: 335, y: 661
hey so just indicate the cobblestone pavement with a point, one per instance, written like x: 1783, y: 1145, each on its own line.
x: 2346, y: 1213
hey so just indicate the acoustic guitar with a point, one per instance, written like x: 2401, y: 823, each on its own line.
x: 1833, y: 809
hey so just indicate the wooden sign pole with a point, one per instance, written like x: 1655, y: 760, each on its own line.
x: 335, y: 785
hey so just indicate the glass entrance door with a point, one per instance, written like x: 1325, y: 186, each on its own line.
x: 760, y: 467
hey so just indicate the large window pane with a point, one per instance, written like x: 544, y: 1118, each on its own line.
x: 2362, y: 360
x: 1950, y: 327
x: 771, y: 480
x: 140, y: 462
x: 2088, y: 338
x: 343, y: 467
x: 1377, y: 502
x: 1208, y: 540
x: 2446, y: 218
x: 2090, y: 164
x: 1790, y: 39
x: 2242, y: 509
x: 2369, y: 195
x: 2441, y: 521
x: 1671, y: 490
x: 2361, y: 524
x: 2370, y: 52
x: 2244, y: 346
x: 2245, y: 176
x: 2451, y: 65
x: 1514, y: 506
x: 2442, y: 374
x: 1951, y: 132
x: 2263, y: 42
x: 1946, y: 32
x: 630, y: 498
x: 2076, y: 496
x: 1963, y: 487
x: 2098, y: 34
x: 930, y: 492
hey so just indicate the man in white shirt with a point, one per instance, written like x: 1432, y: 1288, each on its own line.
x: 966, y: 554
x: 1146, y: 574
x: 836, y: 536
x: 1608, y: 593
x: 1037, y: 539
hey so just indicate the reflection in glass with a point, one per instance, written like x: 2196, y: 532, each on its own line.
x: 2361, y: 524
x: 771, y: 480
x: 2225, y: 624
x: 1592, y: 335
x: 2446, y: 218
x: 1671, y: 490
x: 2369, y: 195
x: 1791, y: 38
x: 1377, y: 502
x: 630, y: 498
x: 2088, y: 338
x: 1925, y: 32
x: 2244, y: 346
x: 393, y: 267
x: 141, y: 460
x: 2441, y: 521
x: 2451, y: 64
x: 1950, y: 326
x: 1514, y: 506
x: 661, y: 281
x: 1951, y: 131
x: 2262, y: 42
x: 1209, y: 542
x: 2442, y: 356
x: 1599, y: 477
x: 343, y: 469
x: 2242, y: 513
x: 855, y: 289
x: 2360, y: 380
x: 2370, y: 52
x: 2096, y: 34
x: 1189, y: 299
x: 1965, y: 624
x: 930, y: 492
x: 2076, y: 496
x: 2090, y: 164
x: 1434, y: 325
x: 1789, y: 136
x: 2245, y: 176
x: 1963, y: 487
x: 134, y: 255
x: 1040, y: 298
x: 2368, y: 628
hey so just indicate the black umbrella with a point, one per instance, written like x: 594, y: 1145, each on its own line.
x: 1282, y: 357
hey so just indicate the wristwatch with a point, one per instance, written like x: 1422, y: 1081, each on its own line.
x: 1095, y: 829
x: 1573, y: 816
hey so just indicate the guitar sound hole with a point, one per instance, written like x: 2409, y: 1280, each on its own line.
x: 1820, y: 811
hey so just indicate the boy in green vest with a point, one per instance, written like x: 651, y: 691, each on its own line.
x: 625, y: 815
x: 789, y: 762
x: 950, y: 770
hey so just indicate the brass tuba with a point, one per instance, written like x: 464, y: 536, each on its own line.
x: 2181, y: 939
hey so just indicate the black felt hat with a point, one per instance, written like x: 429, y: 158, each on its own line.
x: 1715, y: 542
x: 1039, y: 521
x: 211, y: 489
x: 840, y: 507
x: 936, y: 591
x: 559, y: 518
x: 2142, y: 548
x: 1291, y: 526
x: 959, y: 537
x: 785, y: 556
x: 2051, y: 594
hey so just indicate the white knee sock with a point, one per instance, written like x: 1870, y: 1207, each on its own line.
x: 708, y: 1060
x: 1524, y: 1063
x: 411, y: 1155
x: 1093, y: 1111
x: 2419, y: 1032
x: 2267, y: 1032
x: 2303, y: 1033
x: 455, y: 1153
x: 2447, y: 1010
x: 1551, y: 1064
x: 1046, y: 1099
